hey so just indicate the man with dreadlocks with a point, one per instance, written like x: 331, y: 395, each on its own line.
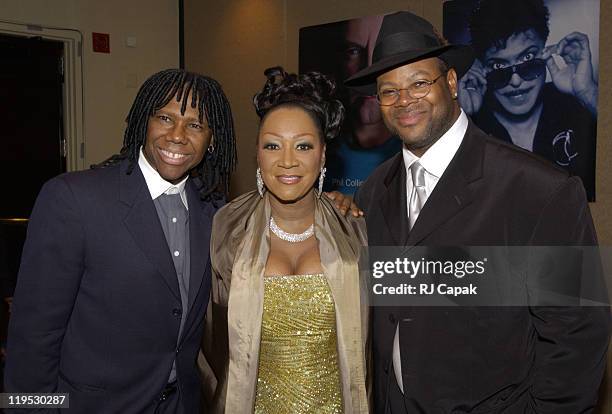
x: 115, y: 276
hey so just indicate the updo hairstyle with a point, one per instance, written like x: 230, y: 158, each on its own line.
x: 313, y: 92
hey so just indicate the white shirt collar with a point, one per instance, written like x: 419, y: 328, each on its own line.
x: 156, y: 184
x: 439, y: 155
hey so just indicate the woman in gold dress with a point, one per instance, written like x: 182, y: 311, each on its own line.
x: 289, y: 336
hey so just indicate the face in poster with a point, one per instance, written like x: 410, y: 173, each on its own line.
x: 534, y: 81
x: 340, y: 50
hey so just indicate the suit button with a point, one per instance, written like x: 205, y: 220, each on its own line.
x: 177, y: 350
x: 392, y: 319
x: 386, y: 366
x: 177, y: 312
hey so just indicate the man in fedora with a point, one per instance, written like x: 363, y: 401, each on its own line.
x: 452, y: 185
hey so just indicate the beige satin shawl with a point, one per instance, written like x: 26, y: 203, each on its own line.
x: 240, y: 245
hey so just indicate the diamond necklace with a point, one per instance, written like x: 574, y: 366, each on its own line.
x: 290, y: 237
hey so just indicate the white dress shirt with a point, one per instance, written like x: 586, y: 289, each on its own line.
x: 434, y: 161
x: 157, y: 185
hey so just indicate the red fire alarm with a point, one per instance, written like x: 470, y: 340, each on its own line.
x: 101, y: 42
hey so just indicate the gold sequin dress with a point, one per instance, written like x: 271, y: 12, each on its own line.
x: 298, y: 358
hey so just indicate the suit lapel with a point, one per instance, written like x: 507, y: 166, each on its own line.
x: 393, y: 202
x: 452, y: 193
x: 200, y: 219
x: 448, y: 198
x: 143, y: 224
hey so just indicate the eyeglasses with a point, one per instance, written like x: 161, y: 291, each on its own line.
x: 417, y: 90
x: 529, y: 70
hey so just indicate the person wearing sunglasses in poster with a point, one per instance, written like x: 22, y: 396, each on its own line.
x: 506, y: 93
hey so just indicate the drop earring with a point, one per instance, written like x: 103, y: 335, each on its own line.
x: 260, y: 183
x: 321, y: 179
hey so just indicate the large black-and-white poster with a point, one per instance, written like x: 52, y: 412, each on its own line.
x: 535, y: 79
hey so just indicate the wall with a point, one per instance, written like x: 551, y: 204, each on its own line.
x: 110, y: 80
x: 234, y: 43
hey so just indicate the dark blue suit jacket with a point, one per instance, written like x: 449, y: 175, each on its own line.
x: 97, y: 306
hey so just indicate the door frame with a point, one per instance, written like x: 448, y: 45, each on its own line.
x: 72, y: 94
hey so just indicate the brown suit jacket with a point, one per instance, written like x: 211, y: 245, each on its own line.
x: 476, y: 360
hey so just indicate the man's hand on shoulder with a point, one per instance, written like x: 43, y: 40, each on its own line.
x: 345, y: 203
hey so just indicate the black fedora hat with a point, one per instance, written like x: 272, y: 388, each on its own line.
x: 404, y: 38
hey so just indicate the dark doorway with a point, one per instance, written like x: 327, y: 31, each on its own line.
x: 31, y: 84
x: 31, y: 103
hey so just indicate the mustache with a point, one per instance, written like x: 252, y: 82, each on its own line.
x: 416, y: 107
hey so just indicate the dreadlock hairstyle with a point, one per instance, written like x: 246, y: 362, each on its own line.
x: 213, y: 173
x: 494, y: 21
x: 313, y: 92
